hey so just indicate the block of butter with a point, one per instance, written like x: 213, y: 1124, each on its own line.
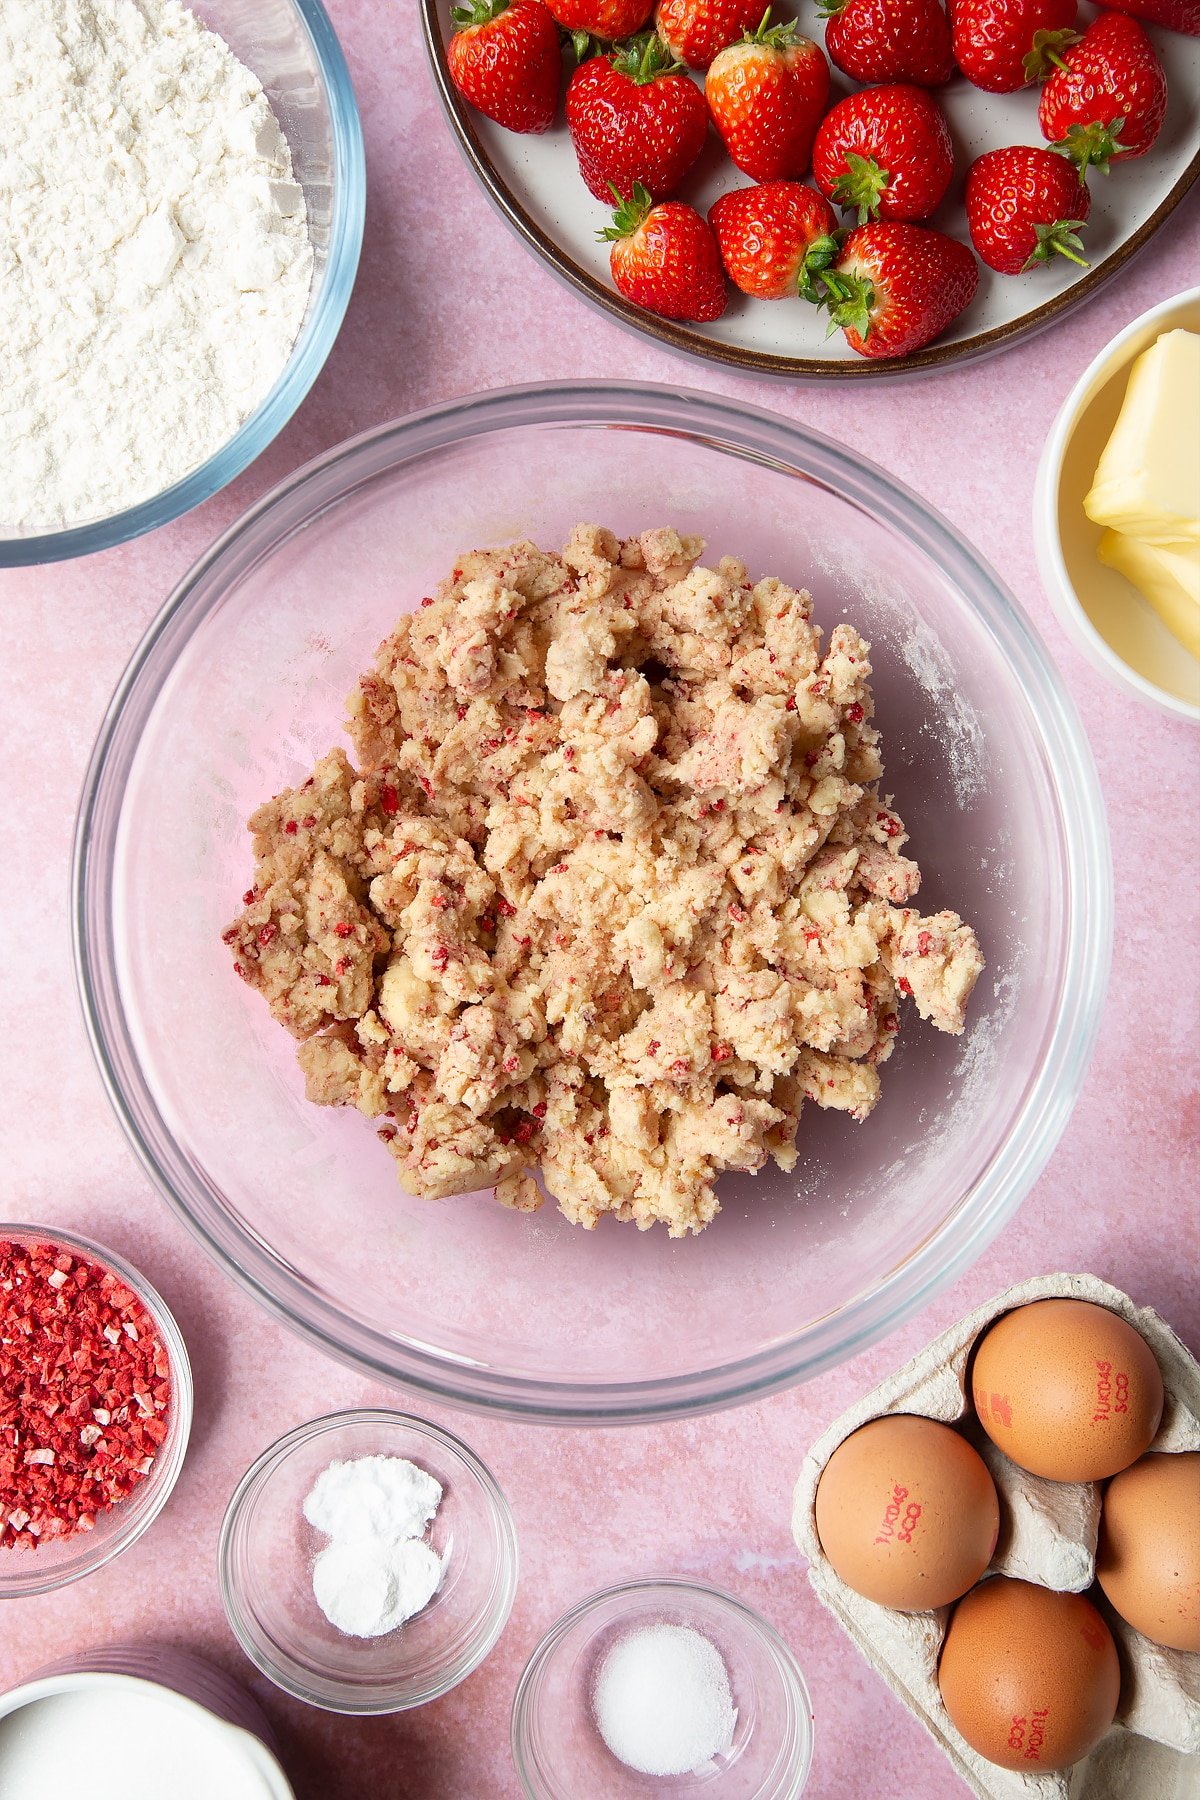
x: 1169, y: 578
x: 1147, y: 482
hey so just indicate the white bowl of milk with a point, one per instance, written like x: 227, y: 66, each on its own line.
x: 55, y: 1729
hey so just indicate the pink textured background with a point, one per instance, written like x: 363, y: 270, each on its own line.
x: 447, y: 302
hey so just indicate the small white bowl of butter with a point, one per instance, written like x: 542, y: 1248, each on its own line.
x: 1126, y: 448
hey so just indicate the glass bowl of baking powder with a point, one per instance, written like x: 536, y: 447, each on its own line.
x: 269, y: 1548
x: 106, y: 401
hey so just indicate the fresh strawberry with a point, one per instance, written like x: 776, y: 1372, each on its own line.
x: 505, y: 59
x: 885, y: 152
x: 1176, y: 15
x: 766, y: 95
x: 896, y: 287
x: 664, y: 257
x: 635, y: 116
x: 1000, y: 45
x: 697, y: 30
x: 889, y: 40
x: 774, y: 238
x: 1024, y: 207
x: 1107, y: 95
x: 609, y: 19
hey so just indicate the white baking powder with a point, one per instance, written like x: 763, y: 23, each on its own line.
x: 368, y: 1589
x: 155, y: 262
x: 662, y: 1701
x: 377, y: 1570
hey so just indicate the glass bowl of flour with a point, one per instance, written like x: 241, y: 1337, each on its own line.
x: 368, y: 1562
x: 181, y: 214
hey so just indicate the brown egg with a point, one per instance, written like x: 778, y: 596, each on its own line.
x: 1067, y: 1390
x: 1030, y: 1677
x: 1149, y: 1558
x: 907, y: 1513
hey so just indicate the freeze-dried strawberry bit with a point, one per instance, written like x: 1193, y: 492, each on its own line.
x: 85, y: 1393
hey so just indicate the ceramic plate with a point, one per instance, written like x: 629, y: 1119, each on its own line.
x: 535, y: 183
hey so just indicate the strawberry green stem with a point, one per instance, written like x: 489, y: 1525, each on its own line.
x: 645, y: 59
x: 628, y: 215
x: 1060, y: 239
x: 776, y: 37
x: 1092, y: 146
x: 817, y: 259
x: 1046, y: 53
x: 477, y: 12
x: 862, y: 186
x: 849, y: 299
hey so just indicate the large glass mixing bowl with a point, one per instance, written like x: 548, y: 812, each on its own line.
x: 239, y: 685
x: 292, y: 48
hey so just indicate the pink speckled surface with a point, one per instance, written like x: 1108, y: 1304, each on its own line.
x: 446, y: 303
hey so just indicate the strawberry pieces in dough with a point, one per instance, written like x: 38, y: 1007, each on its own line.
x: 640, y: 898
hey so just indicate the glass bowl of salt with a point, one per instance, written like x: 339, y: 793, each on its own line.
x: 368, y: 1562
x: 663, y: 1687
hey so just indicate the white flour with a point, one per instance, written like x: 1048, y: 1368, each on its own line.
x: 154, y: 254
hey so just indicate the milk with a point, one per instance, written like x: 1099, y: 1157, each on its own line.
x: 112, y: 1737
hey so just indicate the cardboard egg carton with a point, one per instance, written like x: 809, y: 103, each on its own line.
x: 1048, y: 1532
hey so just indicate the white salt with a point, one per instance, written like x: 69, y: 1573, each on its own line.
x: 662, y: 1701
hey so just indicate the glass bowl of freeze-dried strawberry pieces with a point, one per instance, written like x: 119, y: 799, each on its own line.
x: 95, y: 1407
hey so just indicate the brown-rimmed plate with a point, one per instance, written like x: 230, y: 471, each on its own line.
x: 535, y: 184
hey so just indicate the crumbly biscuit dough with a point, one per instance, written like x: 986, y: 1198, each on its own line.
x: 612, y: 891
